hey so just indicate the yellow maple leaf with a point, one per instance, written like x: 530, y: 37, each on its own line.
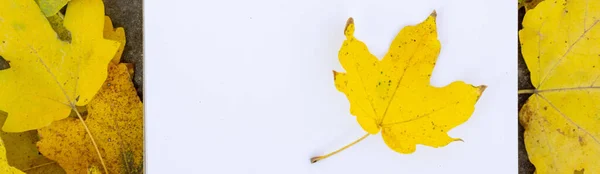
x: 559, y: 43
x: 115, y: 119
x: 116, y: 34
x: 393, y: 95
x: 48, y: 77
x: 4, y: 167
x: 111, y: 33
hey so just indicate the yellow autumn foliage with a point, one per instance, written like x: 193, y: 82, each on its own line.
x: 5, y: 168
x: 393, y: 95
x: 559, y: 42
x: 115, y: 120
x: 47, y: 76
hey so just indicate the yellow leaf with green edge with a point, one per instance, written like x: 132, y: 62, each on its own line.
x: 51, y: 7
x: 47, y: 77
x: 393, y: 95
x: 56, y: 22
x: 116, y: 34
x: 115, y: 118
x: 559, y: 43
x: 22, y: 152
x: 5, y: 168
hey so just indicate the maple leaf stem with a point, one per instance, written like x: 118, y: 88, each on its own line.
x: 91, y: 137
x: 319, y: 158
x: 526, y: 91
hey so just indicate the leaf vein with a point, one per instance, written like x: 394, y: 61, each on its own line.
x: 550, y: 73
x: 571, y: 121
x: 400, y: 82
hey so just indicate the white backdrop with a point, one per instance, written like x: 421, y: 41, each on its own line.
x: 238, y: 86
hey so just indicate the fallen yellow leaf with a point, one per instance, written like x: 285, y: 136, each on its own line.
x: 4, y: 167
x: 48, y: 77
x: 559, y: 42
x: 22, y: 153
x: 116, y: 34
x: 115, y: 119
x: 393, y: 95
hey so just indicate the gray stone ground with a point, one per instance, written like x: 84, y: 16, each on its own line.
x: 129, y: 14
x: 525, y: 166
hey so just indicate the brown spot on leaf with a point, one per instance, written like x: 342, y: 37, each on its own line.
x: 560, y: 132
x: 581, y: 141
x: 525, y: 116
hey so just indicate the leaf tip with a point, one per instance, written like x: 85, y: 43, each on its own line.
x: 348, y: 22
x: 481, y: 89
x: 335, y: 73
x: 349, y: 29
x: 458, y: 139
x: 433, y: 14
